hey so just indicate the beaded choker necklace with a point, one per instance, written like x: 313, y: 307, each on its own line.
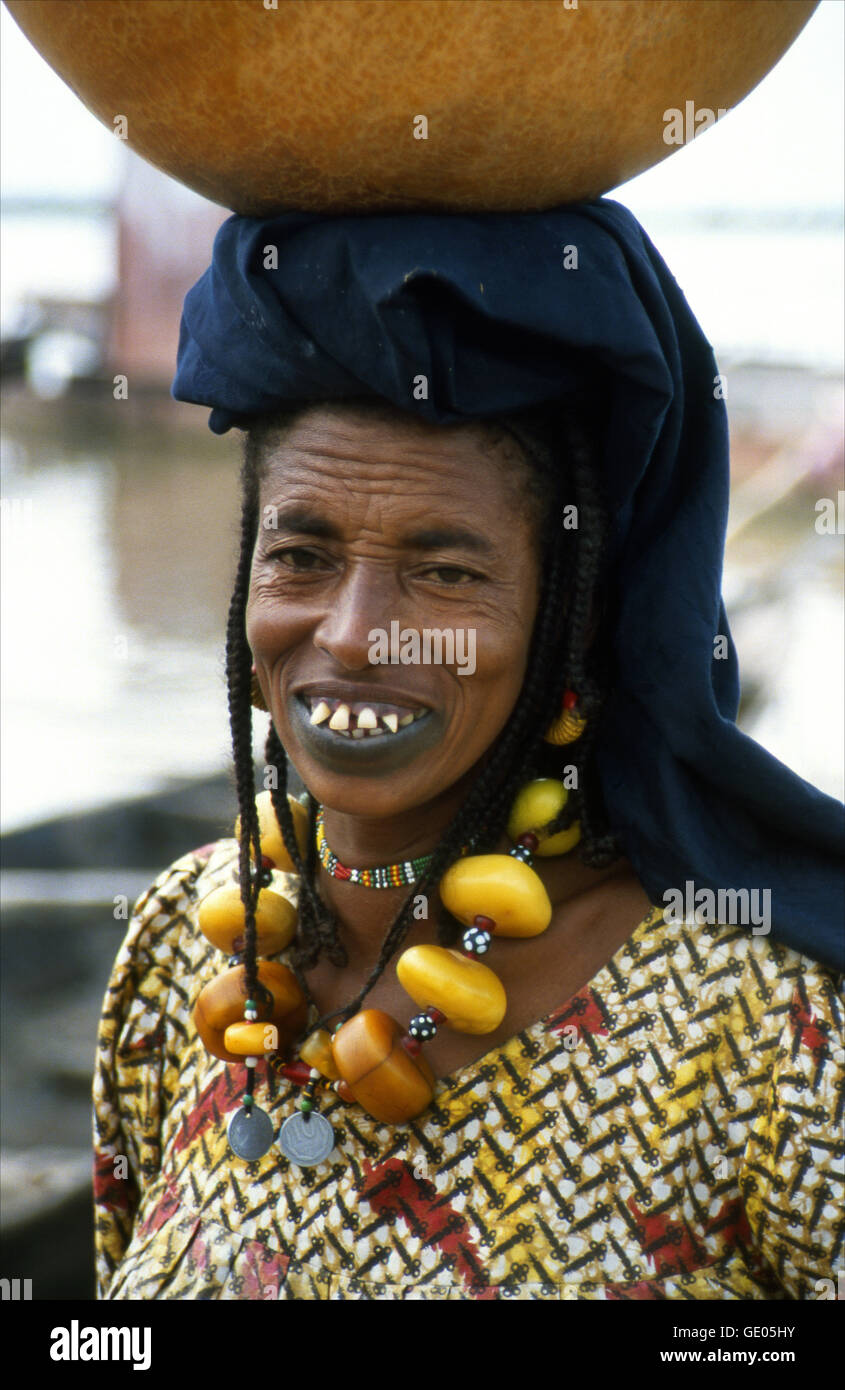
x: 403, y: 874
x: 370, y: 1059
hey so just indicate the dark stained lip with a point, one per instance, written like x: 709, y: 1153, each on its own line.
x: 353, y: 693
x: 365, y: 756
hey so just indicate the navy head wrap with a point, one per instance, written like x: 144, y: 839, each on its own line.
x: 500, y: 311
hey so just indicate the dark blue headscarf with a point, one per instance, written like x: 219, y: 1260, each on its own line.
x: 499, y: 311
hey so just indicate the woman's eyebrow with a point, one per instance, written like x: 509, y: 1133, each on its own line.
x: 305, y: 520
x: 448, y: 538
x: 308, y: 522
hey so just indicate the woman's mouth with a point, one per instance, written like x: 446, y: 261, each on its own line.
x: 363, y: 736
x: 360, y: 719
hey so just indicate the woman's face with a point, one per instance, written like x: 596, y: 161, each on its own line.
x: 373, y: 532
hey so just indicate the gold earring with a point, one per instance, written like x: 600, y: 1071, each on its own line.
x: 255, y: 694
x: 568, y: 726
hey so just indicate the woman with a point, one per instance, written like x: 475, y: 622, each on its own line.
x: 502, y: 427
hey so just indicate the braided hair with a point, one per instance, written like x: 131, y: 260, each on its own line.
x: 559, y: 445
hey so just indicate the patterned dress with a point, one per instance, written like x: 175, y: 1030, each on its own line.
x: 672, y: 1131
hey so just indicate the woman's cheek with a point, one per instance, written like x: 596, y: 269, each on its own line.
x: 501, y: 648
x: 274, y: 620
x: 492, y: 689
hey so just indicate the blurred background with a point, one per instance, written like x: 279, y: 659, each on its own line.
x: 119, y: 539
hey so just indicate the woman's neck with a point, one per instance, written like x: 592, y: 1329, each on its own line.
x: 364, y: 914
x: 362, y: 842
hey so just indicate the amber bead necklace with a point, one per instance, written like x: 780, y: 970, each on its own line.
x: 370, y: 1058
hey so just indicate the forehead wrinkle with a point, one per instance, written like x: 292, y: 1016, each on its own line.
x: 417, y: 486
x: 301, y: 472
x: 370, y: 471
x: 416, y: 443
x: 421, y: 490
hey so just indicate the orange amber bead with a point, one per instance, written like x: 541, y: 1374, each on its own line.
x: 317, y: 1052
x: 391, y: 1085
x: 222, y: 1002
x: 221, y: 920
x: 272, y: 843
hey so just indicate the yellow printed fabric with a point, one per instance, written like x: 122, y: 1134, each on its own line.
x: 673, y: 1130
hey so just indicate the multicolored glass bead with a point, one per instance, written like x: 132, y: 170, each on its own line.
x: 401, y: 875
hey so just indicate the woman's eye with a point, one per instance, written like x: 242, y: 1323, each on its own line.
x: 298, y: 559
x: 450, y: 574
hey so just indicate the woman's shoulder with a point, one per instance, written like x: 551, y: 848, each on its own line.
x: 164, y: 953
x: 735, y: 946
x: 161, y: 913
x: 772, y: 1000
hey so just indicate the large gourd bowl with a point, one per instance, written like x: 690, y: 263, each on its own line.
x: 398, y: 105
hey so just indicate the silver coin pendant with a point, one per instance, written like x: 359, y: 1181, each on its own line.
x: 306, y: 1139
x: 250, y: 1133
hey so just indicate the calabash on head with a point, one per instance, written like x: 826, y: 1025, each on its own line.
x: 353, y: 105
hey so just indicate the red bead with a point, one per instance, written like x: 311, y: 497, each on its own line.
x: 435, y: 1015
x: 484, y: 924
x: 297, y: 1072
x: 267, y: 862
x: 411, y: 1045
x: 570, y: 699
x: 340, y: 871
x: 528, y: 841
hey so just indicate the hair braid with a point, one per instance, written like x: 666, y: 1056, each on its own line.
x: 238, y: 676
x: 588, y: 576
x: 317, y: 924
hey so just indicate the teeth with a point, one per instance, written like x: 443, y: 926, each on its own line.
x: 340, y: 718
x: 365, y: 723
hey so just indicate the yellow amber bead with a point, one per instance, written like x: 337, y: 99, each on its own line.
x: 221, y: 920
x: 377, y: 1072
x: 535, y: 807
x: 272, y: 843
x: 470, y: 995
x: 497, y: 886
x: 251, y: 1039
x: 316, y: 1051
x: 561, y: 843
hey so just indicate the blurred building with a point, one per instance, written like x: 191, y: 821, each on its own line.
x: 164, y: 240
x: 94, y: 286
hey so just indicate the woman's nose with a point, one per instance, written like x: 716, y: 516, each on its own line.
x: 365, y: 600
